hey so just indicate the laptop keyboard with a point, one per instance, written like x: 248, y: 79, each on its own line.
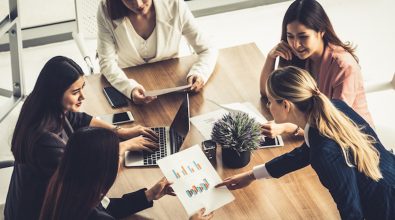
x: 151, y: 158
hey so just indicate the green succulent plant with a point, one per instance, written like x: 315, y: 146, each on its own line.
x: 237, y: 130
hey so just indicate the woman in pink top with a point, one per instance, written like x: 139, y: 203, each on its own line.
x: 309, y: 41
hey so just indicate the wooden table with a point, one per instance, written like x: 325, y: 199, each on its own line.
x: 298, y: 195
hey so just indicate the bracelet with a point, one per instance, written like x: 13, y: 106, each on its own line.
x: 297, y: 131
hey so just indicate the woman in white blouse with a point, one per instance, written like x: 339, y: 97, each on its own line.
x: 134, y: 32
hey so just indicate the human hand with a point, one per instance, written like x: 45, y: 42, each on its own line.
x: 238, y: 181
x: 137, y: 131
x: 283, y: 50
x: 200, y: 215
x: 272, y: 129
x: 160, y: 189
x: 138, y: 96
x: 196, y: 83
x: 138, y: 144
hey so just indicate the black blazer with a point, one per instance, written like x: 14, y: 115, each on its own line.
x: 356, y: 195
x: 29, y: 181
x: 122, y: 207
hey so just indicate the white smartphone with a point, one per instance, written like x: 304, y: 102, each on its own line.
x: 117, y: 118
x: 267, y: 142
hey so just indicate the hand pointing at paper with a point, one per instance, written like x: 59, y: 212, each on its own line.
x: 238, y: 181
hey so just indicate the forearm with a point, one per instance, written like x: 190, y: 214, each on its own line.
x: 205, y: 64
x: 123, y: 147
x: 121, y: 132
x: 289, y: 162
x: 268, y: 67
x: 290, y: 128
x: 101, y: 124
x: 129, y: 204
x: 107, y: 52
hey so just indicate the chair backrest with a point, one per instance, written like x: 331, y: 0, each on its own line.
x: 6, y: 168
x: 86, y: 11
x: 380, y: 86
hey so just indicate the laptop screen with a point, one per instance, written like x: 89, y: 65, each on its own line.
x: 180, y: 124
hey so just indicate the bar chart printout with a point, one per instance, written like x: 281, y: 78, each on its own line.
x: 198, y: 189
x: 194, y: 179
x: 188, y: 170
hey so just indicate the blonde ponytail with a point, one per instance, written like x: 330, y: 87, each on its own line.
x: 298, y: 86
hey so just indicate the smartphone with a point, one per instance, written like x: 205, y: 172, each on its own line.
x: 209, y: 148
x: 117, y: 118
x: 114, y: 97
x: 266, y: 142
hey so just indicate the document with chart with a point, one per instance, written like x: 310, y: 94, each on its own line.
x: 194, y: 179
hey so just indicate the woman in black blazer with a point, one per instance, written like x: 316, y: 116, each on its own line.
x: 47, y: 118
x: 341, y: 147
x: 85, y: 174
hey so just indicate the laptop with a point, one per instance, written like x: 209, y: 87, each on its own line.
x: 170, y: 139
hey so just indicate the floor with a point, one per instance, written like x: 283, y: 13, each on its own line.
x: 367, y: 24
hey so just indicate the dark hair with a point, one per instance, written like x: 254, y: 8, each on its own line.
x: 312, y: 15
x: 116, y: 9
x: 87, y: 171
x: 42, y: 110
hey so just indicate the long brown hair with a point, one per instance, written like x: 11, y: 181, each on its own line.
x: 298, y: 86
x: 116, y: 9
x: 311, y: 14
x: 42, y: 110
x: 87, y: 171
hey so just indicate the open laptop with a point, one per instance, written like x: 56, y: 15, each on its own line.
x: 170, y: 139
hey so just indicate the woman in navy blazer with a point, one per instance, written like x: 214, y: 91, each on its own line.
x: 341, y: 147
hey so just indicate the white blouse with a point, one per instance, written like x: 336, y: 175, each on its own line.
x: 146, y: 48
x: 117, y: 48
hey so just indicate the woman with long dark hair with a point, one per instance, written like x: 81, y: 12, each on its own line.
x: 309, y: 41
x: 340, y: 146
x: 86, y: 172
x: 48, y: 117
x: 135, y: 32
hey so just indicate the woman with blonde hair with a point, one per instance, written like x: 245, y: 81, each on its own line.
x: 340, y: 145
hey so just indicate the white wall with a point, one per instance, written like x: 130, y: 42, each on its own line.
x: 41, y: 12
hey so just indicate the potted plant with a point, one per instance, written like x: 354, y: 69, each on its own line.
x: 238, y: 134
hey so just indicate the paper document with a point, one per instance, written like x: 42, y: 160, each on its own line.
x: 194, y: 179
x: 165, y: 91
x: 205, y: 122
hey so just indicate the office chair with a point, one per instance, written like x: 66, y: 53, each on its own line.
x: 85, y: 11
x: 376, y: 87
x: 384, y: 130
x: 6, y: 168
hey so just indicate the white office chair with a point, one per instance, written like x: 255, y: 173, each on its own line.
x: 85, y: 11
x: 384, y: 129
x: 376, y: 87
